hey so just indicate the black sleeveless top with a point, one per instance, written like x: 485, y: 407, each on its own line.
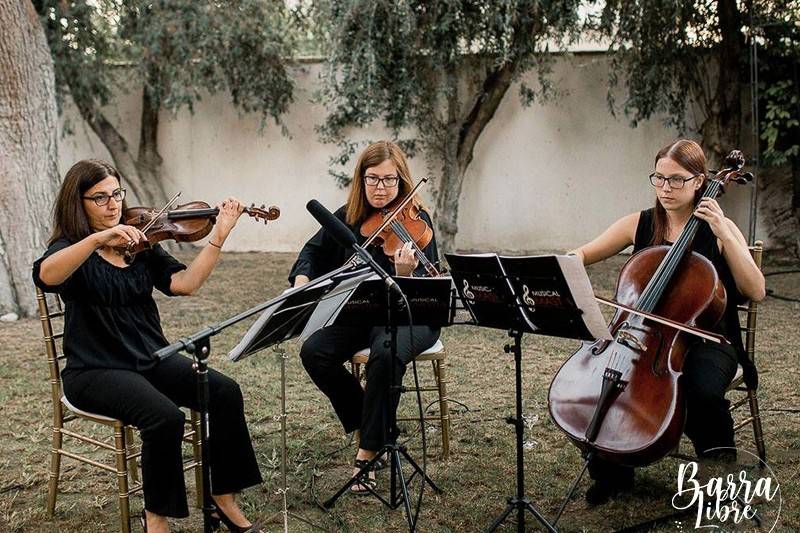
x: 705, y: 243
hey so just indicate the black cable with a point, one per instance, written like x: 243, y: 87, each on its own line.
x: 421, y: 414
x: 777, y: 296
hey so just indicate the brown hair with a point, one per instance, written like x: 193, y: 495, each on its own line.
x: 69, y: 217
x: 689, y: 155
x: 358, y: 209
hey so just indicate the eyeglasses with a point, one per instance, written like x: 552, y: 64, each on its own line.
x: 102, y: 199
x: 388, y: 181
x: 675, y: 182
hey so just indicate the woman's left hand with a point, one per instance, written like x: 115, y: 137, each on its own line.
x: 229, y: 212
x: 405, y: 261
x: 709, y: 210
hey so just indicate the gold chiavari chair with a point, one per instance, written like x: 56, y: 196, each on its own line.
x: 740, y: 393
x: 65, y: 417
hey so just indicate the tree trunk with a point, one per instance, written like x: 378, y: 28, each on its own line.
x: 452, y: 176
x: 142, y: 174
x: 28, y: 151
x: 722, y: 128
x: 457, y: 157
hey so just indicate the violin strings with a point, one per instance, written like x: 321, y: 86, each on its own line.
x: 401, y: 231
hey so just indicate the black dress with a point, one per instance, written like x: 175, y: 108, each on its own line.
x: 325, y: 352
x: 111, y: 329
x: 708, y: 368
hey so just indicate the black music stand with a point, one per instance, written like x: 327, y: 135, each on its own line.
x: 428, y: 301
x: 545, y: 295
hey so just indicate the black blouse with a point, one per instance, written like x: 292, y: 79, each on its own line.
x: 111, y: 319
x: 321, y: 254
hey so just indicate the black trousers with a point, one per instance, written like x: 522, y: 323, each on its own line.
x: 324, y: 354
x: 707, y: 372
x: 150, y: 401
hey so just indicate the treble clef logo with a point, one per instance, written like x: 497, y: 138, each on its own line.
x: 467, y: 292
x: 526, y: 297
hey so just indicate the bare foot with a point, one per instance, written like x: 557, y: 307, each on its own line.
x: 227, y: 504
x: 156, y: 523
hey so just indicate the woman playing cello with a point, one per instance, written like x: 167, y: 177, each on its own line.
x: 381, y: 176
x: 680, y: 179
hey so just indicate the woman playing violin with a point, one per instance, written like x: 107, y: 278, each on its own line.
x: 381, y: 176
x: 679, y: 180
x: 112, y: 327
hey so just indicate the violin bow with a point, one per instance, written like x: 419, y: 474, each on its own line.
x: 163, y: 209
x: 703, y: 334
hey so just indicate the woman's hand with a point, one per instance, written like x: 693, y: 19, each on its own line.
x: 709, y: 210
x: 229, y: 212
x: 118, y: 236
x: 405, y: 261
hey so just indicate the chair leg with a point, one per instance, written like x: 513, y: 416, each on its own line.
x: 440, y: 370
x: 758, y: 432
x: 198, y: 459
x: 122, y: 477
x: 130, y: 449
x: 55, y: 471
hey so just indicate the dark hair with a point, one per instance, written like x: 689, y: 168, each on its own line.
x: 689, y: 155
x: 69, y: 217
x: 358, y: 209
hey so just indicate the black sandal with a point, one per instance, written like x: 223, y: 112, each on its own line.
x: 381, y: 463
x: 368, y: 484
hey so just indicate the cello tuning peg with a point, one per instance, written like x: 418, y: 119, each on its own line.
x: 263, y: 206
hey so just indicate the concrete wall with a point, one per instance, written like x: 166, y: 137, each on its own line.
x: 543, y: 177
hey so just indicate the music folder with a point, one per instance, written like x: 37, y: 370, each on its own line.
x: 289, y: 318
x: 428, y: 299
x: 544, y: 294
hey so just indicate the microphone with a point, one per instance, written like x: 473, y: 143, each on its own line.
x: 345, y: 238
x: 340, y: 233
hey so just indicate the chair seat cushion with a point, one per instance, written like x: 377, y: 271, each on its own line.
x: 85, y: 414
x: 436, y: 348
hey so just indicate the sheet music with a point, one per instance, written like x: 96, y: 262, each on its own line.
x: 583, y: 294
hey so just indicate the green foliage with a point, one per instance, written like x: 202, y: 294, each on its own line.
x: 666, y: 54
x: 179, y: 49
x: 779, y: 82
x: 661, y: 50
x: 399, y: 61
x: 780, y: 124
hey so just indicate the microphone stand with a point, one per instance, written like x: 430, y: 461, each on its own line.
x: 199, y: 346
x: 396, y: 452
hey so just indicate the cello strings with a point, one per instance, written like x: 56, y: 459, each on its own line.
x: 664, y: 273
x: 680, y: 247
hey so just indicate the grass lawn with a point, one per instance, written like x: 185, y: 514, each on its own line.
x: 476, y: 480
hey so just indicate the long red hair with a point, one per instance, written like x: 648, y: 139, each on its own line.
x: 689, y: 155
x: 358, y: 209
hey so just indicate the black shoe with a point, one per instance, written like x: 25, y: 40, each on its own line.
x: 233, y: 528
x: 602, y: 491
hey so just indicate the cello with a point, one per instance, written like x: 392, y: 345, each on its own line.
x: 622, y: 400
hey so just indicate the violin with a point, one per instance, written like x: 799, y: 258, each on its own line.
x: 622, y: 400
x: 391, y: 228
x: 188, y: 222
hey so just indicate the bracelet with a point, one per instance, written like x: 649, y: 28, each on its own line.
x: 215, y: 245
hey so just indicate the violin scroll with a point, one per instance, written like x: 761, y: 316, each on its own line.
x: 263, y: 213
